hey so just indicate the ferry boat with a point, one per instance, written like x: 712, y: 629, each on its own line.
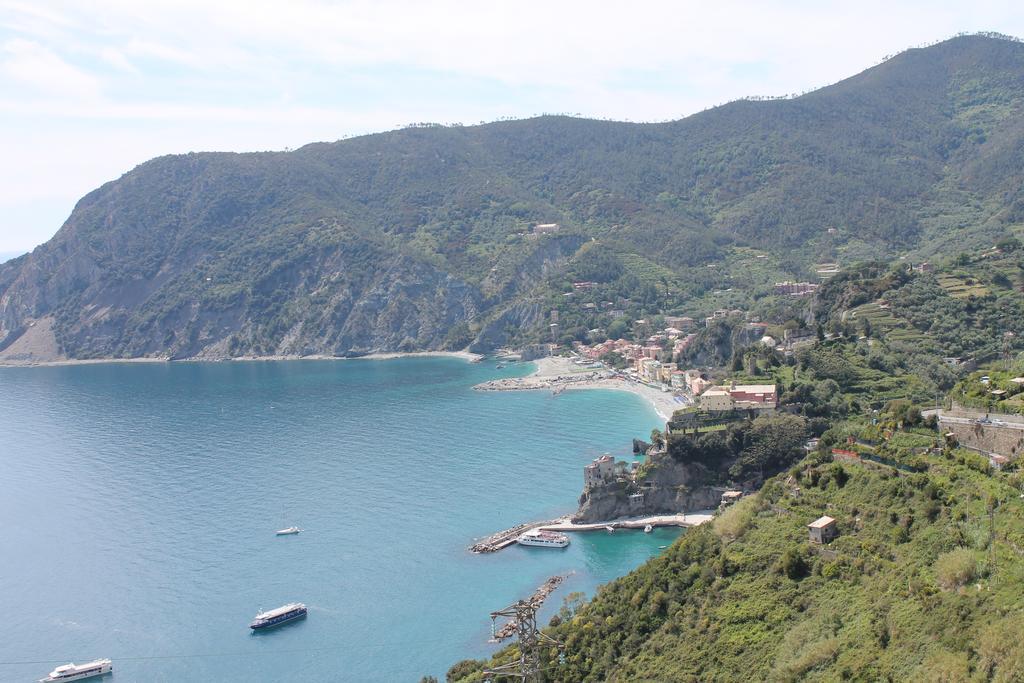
x: 289, y: 531
x: 76, y: 672
x: 281, y: 615
x: 544, y: 539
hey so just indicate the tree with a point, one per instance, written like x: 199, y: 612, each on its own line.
x: 618, y: 329
x: 572, y: 604
x: 770, y: 444
x: 793, y: 564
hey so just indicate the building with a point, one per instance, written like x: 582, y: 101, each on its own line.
x: 730, y: 497
x: 717, y: 315
x: 754, y: 395
x: 795, y: 288
x: 740, y: 397
x: 684, y: 323
x: 545, y: 228
x: 823, y: 530
x: 695, y: 382
x: 717, y: 399
x: 827, y: 270
x: 599, y: 472
x: 534, y: 351
x: 649, y: 369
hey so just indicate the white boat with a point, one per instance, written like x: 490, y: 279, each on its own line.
x: 544, y: 539
x: 609, y: 528
x: 76, y: 672
x: 648, y: 529
x: 289, y: 531
x: 281, y: 615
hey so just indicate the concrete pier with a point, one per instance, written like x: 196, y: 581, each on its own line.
x: 507, y: 537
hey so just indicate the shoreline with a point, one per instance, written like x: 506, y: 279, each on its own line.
x: 557, y: 373
x: 385, y: 355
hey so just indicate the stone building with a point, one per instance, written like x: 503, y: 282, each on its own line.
x: 599, y: 472
x: 823, y: 530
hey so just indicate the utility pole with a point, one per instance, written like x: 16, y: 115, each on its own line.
x: 523, y: 616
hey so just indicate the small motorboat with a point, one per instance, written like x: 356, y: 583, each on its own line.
x: 648, y: 529
x: 662, y: 547
x: 609, y: 528
x: 290, y: 531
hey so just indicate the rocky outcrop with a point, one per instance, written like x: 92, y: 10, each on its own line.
x: 661, y: 486
x: 496, y: 333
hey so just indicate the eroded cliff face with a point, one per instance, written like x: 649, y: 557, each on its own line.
x: 173, y: 269
x: 667, y: 487
x: 336, y: 301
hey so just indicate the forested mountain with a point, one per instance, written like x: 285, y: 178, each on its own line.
x: 419, y: 238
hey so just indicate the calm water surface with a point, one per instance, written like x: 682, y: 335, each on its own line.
x: 138, y: 505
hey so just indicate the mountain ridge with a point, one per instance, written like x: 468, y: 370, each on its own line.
x: 221, y: 254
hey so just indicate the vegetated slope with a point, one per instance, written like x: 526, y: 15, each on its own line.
x: 300, y: 252
x: 922, y: 583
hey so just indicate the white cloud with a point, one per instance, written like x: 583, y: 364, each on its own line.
x: 117, y: 59
x: 39, y: 69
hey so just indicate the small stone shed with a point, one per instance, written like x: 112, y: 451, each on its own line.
x: 823, y: 530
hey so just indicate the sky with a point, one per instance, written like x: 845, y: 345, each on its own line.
x: 90, y: 90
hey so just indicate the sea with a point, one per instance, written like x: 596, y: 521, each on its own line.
x: 138, y: 505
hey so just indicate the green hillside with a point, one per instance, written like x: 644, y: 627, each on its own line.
x: 300, y: 252
x: 921, y: 584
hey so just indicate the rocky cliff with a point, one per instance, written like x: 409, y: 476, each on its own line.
x: 666, y: 486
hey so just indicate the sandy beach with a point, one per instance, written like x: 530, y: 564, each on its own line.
x: 557, y: 373
x: 464, y: 355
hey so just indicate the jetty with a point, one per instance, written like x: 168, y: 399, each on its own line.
x: 508, y: 629
x: 683, y: 519
x: 507, y: 537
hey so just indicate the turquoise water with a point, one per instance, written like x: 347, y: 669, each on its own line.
x: 138, y: 505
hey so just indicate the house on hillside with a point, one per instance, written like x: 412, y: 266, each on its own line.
x: 822, y: 530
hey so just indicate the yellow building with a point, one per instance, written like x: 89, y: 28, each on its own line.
x: 716, y: 398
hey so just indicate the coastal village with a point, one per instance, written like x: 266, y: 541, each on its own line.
x: 679, y: 395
